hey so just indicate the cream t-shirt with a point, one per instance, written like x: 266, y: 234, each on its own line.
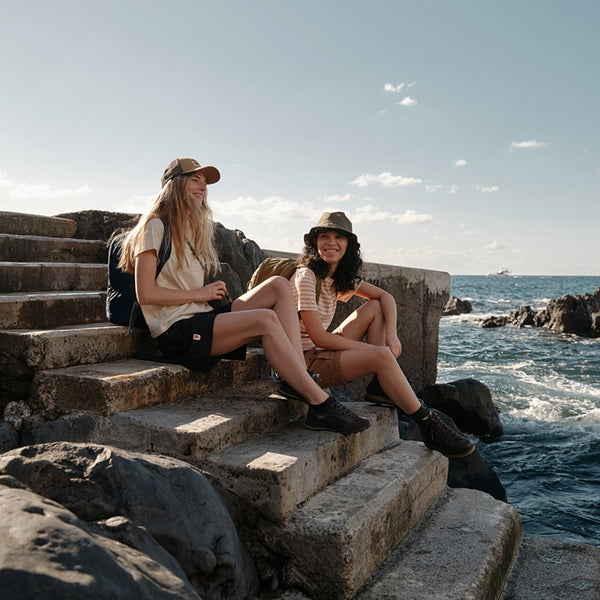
x: 190, y: 276
x: 304, y: 283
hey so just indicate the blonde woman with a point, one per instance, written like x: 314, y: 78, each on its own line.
x: 175, y: 303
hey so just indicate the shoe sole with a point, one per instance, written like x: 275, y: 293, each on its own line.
x: 463, y: 455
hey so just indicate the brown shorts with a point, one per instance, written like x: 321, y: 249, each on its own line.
x: 326, y: 363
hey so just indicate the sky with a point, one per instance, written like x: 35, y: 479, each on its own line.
x: 457, y: 135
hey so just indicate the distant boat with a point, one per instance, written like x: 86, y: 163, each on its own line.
x: 500, y: 273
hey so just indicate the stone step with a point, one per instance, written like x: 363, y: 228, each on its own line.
x: 249, y: 438
x: 51, y: 309
x: 106, y: 388
x: 25, y: 351
x: 42, y: 277
x: 547, y: 568
x: 27, y: 224
x: 279, y: 470
x: 31, y: 248
x: 333, y: 543
x: 70, y: 345
x: 463, y: 549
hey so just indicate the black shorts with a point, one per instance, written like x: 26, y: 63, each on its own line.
x: 188, y: 342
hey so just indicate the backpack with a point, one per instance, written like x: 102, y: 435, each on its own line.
x: 122, y: 307
x: 285, y: 267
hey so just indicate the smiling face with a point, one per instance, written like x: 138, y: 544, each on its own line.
x: 331, y: 246
x: 196, y: 188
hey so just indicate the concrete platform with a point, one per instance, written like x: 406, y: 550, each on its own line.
x: 547, y: 568
x: 338, y: 538
x: 463, y: 550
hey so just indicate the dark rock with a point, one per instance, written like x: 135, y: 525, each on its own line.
x: 492, y: 322
x: 573, y: 314
x: 8, y: 437
x: 523, y: 317
x: 469, y: 403
x: 456, y: 306
x: 99, y: 224
x: 56, y: 555
x: 127, y: 502
x: 470, y: 472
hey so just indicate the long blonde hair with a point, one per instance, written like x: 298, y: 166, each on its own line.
x: 186, y: 222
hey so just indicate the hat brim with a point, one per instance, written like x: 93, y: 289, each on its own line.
x: 316, y: 230
x: 211, y: 174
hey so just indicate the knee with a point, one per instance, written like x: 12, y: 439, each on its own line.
x: 374, y: 308
x: 280, y: 285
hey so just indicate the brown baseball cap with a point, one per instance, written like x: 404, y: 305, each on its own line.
x: 332, y: 220
x: 183, y: 166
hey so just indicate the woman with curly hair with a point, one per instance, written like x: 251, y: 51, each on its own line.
x: 175, y: 303
x: 332, y: 254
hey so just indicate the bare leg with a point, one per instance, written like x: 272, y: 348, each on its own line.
x: 274, y: 293
x: 367, y: 320
x: 380, y: 361
x: 234, y: 329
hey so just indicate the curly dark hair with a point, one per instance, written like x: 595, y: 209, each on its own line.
x: 347, y: 273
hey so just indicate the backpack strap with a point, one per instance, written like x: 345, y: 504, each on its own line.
x: 164, y: 252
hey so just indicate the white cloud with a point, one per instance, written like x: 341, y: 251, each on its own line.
x: 453, y: 189
x: 487, y: 189
x: 40, y: 191
x: 43, y: 191
x: 387, y: 180
x: 408, y: 101
x: 528, y: 144
x: 430, y: 187
x: 4, y: 181
x: 461, y: 162
x: 394, y: 89
x: 371, y: 213
x: 338, y: 198
x: 269, y: 210
x: 493, y: 246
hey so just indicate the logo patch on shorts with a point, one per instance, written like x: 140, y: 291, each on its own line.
x: 196, y: 337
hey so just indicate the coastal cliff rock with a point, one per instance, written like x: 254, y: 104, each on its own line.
x: 456, y: 306
x: 115, y: 524
x: 578, y: 315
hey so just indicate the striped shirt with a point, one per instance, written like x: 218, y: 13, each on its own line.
x: 304, y: 283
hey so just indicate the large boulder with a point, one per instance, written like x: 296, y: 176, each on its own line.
x: 470, y: 472
x: 99, y: 519
x: 469, y: 403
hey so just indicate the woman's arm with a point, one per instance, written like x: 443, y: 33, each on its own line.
x: 148, y: 292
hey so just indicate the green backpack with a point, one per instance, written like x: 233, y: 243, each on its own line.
x: 285, y: 267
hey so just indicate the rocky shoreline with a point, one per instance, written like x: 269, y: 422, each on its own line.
x: 572, y: 314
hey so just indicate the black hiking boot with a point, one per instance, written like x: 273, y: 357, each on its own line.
x: 287, y: 391
x: 375, y: 394
x: 439, y: 436
x: 332, y: 415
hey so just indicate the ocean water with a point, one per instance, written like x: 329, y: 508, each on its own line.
x: 547, y: 387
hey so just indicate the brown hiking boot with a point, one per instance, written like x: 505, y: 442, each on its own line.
x: 438, y: 436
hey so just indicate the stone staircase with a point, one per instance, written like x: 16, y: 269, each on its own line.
x: 367, y: 516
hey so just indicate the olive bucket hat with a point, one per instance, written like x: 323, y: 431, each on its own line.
x: 331, y: 220
x: 184, y: 166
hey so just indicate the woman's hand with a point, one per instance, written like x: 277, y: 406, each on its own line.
x: 216, y: 290
x: 393, y: 343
